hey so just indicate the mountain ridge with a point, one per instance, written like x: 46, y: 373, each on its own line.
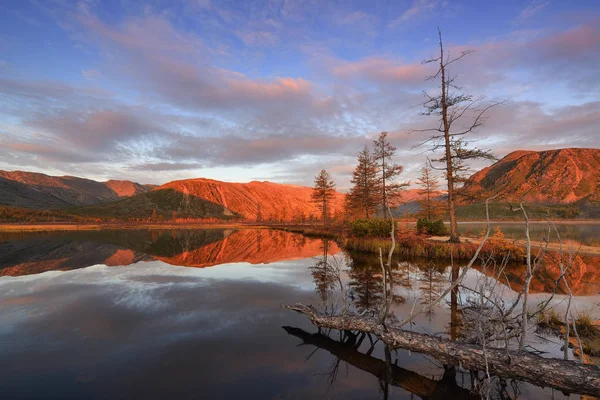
x: 41, y: 191
x: 560, y: 176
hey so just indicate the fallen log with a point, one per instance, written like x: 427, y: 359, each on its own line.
x: 425, y: 388
x: 566, y: 376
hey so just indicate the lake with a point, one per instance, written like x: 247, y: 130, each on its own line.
x: 574, y: 233
x: 198, y: 314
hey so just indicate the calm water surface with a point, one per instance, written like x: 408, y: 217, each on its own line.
x: 197, y: 314
x: 572, y: 232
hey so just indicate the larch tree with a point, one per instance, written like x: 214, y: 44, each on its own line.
x: 324, y: 193
x: 363, y: 196
x: 430, y: 207
x: 388, y: 171
x: 259, y: 216
x: 458, y: 116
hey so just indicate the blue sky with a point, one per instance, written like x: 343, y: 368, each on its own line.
x: 276, y: 90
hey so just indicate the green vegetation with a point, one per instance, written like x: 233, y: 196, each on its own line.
x: 156, y: 205
x: 17, y: 214
x: 371, y: 227
x: 429, y: 227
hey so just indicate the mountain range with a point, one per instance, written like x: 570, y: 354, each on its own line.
x: 562, y: 176
x: 41, y: 191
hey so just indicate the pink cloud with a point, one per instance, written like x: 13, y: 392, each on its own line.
x: 381, y: 70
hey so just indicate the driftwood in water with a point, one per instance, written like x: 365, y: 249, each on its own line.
x: 566, y: 376
x: 425, y: 388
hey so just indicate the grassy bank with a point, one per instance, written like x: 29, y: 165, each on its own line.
x: 411, y: 244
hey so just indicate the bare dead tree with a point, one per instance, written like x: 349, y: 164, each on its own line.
x: 459, y: 115
x: 387, y: 270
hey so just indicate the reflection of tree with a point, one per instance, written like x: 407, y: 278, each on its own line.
x: 431, y: 284
x: 366, y: 291
x: 454, y: 321
x: 324, y: 274
x: 404, y: 275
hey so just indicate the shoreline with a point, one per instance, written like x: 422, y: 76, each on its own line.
x: 52, y: 226
x: 57, y: 226
x: 535, y: 244
x: 299, y: 228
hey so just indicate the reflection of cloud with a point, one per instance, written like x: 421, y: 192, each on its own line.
x: 168, y: 330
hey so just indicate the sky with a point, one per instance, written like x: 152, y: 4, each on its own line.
x: 277, y: 90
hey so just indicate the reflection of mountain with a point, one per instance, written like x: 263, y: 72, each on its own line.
x: 31, y: 254
x: 251, y: 246
x: 365, y: 280
x: 26, y: 257
x: 583, y: 276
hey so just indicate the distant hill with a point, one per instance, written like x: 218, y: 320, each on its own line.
x: 562, y: 176
x: 128, y: 188
x: 41, y: 191
x: 409, y: 202
x: 271, y: 200
x: 158, y: 203
x: 207, y: 198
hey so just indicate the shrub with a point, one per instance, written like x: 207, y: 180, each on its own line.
x: 371, y: 227
x: 431, y: 227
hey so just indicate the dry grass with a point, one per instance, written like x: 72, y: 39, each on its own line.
x: 585, y: 325
x: 411, y: 244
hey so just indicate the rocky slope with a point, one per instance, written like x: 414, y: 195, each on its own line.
x: 127, y: 188
x: 41, y: 191
x: 561, y: 176
x: 254, y: 199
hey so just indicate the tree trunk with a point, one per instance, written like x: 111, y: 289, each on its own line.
x: 454, y: 237
x: 566, y: 376
x: 424, y: 387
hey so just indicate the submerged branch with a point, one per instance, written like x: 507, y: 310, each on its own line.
x: 567, y: 376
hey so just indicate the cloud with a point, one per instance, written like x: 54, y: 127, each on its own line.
x: 238, y: 150
x: 91, y: 74
x: 177, y: 68
x: 418, y: 8
x: 49, y: 151
x: 258, y: 38
x: 96, y: 130
x: 184, y: 99
x: 382, y: 70
x: 533, y: 8
x: 164, y: 166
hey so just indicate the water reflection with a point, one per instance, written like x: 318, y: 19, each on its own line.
x: 35, y: 253
x: 347, y: 349
x: 139, y: 322
x: 574, y: 233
